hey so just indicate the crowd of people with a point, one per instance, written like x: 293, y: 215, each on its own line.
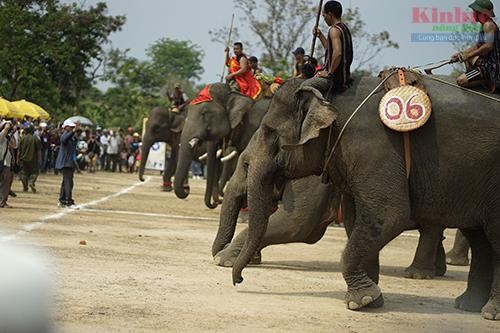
x: 31, y: 147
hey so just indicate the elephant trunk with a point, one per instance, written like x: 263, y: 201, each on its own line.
x: 146, y: 146
x: 184, y: 160
x: 231, y: 206
x: 228, y: 168
x: 212, y: 174
x: 260, y: 201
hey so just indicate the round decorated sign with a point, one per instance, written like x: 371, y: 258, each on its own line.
x: 405, y: 108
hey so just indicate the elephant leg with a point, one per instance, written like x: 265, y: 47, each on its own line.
x: 459, y: 254
x: 372, y: 264
x: 491, y: 310
x: 372, y: 231
x: 169, y: 170
x: 424, y: 262
x: 480, y: 274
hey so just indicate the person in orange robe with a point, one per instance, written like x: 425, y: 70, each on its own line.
x: 240, y: 75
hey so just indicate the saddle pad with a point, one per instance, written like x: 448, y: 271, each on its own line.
x: 405, y: 108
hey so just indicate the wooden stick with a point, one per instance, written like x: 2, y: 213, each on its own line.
x: 222, y: 77
x: 318, y: 16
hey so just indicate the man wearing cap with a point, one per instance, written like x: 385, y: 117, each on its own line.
x: 300, y: 59
x: 178, y: 99
x: 240, y: 76
x: 339, y: 49
x: 66, y: 163
x: 482, y: 60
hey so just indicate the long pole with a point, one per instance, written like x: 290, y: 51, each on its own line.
x: 318, y: 16
x: 227, y: 45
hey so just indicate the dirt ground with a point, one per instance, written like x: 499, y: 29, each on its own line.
x: 147, y: 268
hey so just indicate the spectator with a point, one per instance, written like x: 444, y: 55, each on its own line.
x: 104, y: 149
x: 30, y: 150
x: 6, y: 158
x: 94, y: 150
x: 113, y: 151
x: 66, y: 163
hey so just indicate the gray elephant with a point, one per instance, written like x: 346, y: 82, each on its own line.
x: 166, y: 126
x: 453, y: 182
x: 306, y: 209
x: 459, y: 254
x: 230, y: 119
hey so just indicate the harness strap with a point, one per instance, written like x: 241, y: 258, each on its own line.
x: 406, y: 135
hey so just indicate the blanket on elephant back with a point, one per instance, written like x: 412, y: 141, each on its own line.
x: 405, y: 106
x: 203, y: 96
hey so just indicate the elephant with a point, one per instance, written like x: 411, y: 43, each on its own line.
x: 166, y: 126
x: 306, y: 209
x: 454, y: 180
x: 230, y: 118
x: 459, y: 254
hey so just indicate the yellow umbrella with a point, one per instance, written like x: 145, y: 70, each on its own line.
x: 9, y: 110
x: 5, y: 107
x: 26, y: 109
x: 44, y: 115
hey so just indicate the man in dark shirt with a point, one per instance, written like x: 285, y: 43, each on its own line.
x: 482, y: 59
x: 66, y: 164
x: 30, y: 155
x: 178, y: 99
x: 300, y: 55
x: 339, y: 48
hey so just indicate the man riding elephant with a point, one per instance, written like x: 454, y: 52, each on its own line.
x: 482, y: 60
x: 339, y: 49
x: 178, y: 99
x: 240, y: 76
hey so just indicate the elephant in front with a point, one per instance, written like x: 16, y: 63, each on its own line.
x: 306, y: 208
x: 228, y: 120
x: 166, y: 126
x: 454, y: 180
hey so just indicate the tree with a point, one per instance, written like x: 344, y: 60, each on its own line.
x: 51, y: 51
x: 139, y: 85
x: 282, y: 25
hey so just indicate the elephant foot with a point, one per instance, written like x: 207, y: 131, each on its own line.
x: 454, y: 260
x: 365, y: 297
x: 413, y: 272
x: 227, y: 257
x: 471, y: 302
x: 491, y: 310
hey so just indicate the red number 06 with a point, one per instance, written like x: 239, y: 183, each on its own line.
x: 412, y: 111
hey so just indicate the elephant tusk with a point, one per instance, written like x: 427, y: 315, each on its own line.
x: 203, y: 157
x: 229, y: 157
x: 219, y: 153
x: 194, y: 142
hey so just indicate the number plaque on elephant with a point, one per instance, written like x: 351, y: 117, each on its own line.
x: 405, y: 108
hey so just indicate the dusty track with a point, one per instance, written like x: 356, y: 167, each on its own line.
x: 147, y: 268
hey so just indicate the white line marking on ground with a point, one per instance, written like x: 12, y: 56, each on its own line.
x: 168, y: 216
x: 64, y: 212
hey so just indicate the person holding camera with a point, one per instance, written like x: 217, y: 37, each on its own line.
x: 7, y: 143
x: 66, y: 163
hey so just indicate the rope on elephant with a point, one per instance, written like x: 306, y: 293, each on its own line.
x: 463, y: 88
x: 330, y: 156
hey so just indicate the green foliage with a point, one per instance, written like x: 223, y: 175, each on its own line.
x: 51, y: 51
x: 137, y: 86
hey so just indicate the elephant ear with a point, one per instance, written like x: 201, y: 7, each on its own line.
x: 319, y: 114
x: 237, y: 106
x: 177, y: 121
